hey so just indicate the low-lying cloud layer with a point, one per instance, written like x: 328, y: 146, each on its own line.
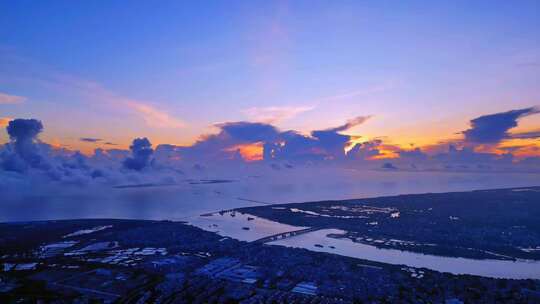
x: 259, y: 145
x: 90, y: 139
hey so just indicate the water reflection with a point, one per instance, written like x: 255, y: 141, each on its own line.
x: 241, y: 226
x: 319, y: 241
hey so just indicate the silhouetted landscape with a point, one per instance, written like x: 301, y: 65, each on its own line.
x: 134, y: 261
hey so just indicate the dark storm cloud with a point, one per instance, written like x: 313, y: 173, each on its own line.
x: 491, y: 129
x: 27, y: 155
x: 141, y: 151
x: 90, y: 139
x: 215, y: 146
x: 277, y: 145
x: 24, y: 129
x: 331, y: 143
x: 293, y: 146
x: 249, y: 131
x: 23, y: 150
x: 321, y: 145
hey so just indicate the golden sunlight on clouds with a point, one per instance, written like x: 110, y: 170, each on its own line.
x: 385, y: 152
x: 520, y: 148
x: 4, y: 121
x: 249, y: 152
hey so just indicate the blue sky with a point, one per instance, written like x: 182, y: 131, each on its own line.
x: 170, y: 70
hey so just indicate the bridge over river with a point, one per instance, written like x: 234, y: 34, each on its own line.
x: 285, y: 235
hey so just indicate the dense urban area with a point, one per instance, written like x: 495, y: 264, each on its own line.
x: 135, y: 261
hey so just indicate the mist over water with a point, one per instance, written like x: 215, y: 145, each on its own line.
x: 184, y: 199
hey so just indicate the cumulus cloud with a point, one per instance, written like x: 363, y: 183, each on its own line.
x: 320, y: 145
x: 26, y: 156
x: 23, y: 150
x: 493, y: 128
x: 331, y: 143
x: 248, y: 131
x: 218, y: 146
x: 33, y: 160
x: 11, y: 99
x: 141, y: 152
x: 275, y: 144
x: 275, y: 114
x: 365, y: 150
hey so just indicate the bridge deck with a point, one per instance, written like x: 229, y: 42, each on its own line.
x: 285, y: 235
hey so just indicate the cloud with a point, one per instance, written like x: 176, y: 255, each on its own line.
x: 415, y: 154
x: 153, y: 117
x: 23, y: 150
x: 21, y: 130
x: 525, y: 135
x: 249, y: 131
x: 293, y: 146
x: 236, y: 138
x: 351, y: 123
x: 321, y: 145
x: 275, y: 114
x: 493, y: 128
x: 467, y: 156
x: 141, y: 151
x: 238, y: 142
x: 365, y: 150
x: 329, y: 143
x: 90, y: 139
x: 11, y: 99
x: 218, y: 146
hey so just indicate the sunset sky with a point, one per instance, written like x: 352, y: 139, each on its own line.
x: 171, y: 70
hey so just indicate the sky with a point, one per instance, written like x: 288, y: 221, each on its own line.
x: 98, y: 74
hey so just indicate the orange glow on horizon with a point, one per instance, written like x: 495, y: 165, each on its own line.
x: 385, y: 153
x: 249, y: 152
x: 4, y: 121
x: 519, y: 148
